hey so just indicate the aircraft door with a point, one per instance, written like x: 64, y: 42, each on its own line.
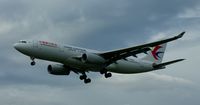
x: 35, y: 44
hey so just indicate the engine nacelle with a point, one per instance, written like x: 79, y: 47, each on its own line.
x: 92, y: 58
x: 58, y: 70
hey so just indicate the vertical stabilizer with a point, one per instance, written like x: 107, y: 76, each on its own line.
x: 156, y: 54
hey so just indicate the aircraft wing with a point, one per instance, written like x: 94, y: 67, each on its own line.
x: 113, y: 56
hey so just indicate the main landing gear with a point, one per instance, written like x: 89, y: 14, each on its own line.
x: 106, y: 74
x: 84, y: 77
x: 33, y: 62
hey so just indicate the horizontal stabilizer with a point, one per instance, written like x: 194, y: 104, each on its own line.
x: 162, y: 65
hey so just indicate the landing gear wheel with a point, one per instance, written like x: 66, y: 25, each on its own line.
x: 83, y: 77
x: 87, y: 80
x: 108, y: 75
x: 32, y: 63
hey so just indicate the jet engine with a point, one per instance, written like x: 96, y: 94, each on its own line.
x: 92, y: 58
x: 58, y: 69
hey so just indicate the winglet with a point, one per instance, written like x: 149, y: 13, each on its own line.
x: 180, y: 35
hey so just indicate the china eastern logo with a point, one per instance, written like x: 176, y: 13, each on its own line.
x: 156, y: 53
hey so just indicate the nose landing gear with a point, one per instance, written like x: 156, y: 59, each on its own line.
x: 33, y: 62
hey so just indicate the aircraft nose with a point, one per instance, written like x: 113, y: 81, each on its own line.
x: 23, y: 48
x: 18, y: 46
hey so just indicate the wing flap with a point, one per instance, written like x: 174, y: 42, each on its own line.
x: 127, y: 54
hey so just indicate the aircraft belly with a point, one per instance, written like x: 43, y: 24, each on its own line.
x: 55, y: 55
x: 127, y: 67
x: 82, y: 65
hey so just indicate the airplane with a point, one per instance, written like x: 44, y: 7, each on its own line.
x: 68, y: 58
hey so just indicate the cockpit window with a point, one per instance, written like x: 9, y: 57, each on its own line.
x: 23, y: 41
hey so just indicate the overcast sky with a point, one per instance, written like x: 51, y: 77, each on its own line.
x: 100, y: 25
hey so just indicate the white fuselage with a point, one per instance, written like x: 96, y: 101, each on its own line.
x: 68, y: 55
